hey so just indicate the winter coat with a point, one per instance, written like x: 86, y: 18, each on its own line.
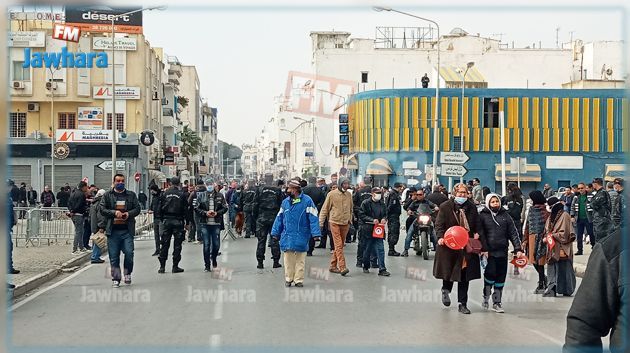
x: 600, y: 304
x: 619, y: 210
x: 602, y: 220
x: 448, y: 263
x: 496, y: 230
x: 296, y: 223
x: 77, y: 203
x: 220, y: 207
x: 437, y: 198
x: 394, y: 207
x: 155, y: 205
x: 514, y: 205
x: 368, y: 212
x: 47, y: 198
x: 365, y: 193
x: 107, y: 209
x: 337, y: 208
x: 561, y: 230
x: 95, y: 217
x: 535, y: 234
x: 316, y: 194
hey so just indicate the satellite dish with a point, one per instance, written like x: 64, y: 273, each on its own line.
x: 609, y: 72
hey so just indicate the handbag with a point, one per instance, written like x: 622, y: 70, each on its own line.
x: 474, y: 246
x: 100, y: 240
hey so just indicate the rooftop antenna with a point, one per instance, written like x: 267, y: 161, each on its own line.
x: 557, y: 37
x: 500, y: 35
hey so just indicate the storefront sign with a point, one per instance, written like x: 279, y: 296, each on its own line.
x: 105, y: 43
x: 122, y: 92
x: 90, y: 118
x: 27, y: 39
x: 99, y: 19
x: 84, y: 136
x: 39, y: 16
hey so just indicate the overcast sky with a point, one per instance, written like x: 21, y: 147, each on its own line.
x: 243, y: 53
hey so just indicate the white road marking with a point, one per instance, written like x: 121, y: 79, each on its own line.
x: 547, y: 337
x: 218, y: 305
x: 215, y: 342
x: 224, y: 253
x: 53, y: 286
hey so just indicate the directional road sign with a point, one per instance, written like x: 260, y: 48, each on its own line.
x: 453, y: 170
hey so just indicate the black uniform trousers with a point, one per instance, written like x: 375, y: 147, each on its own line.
x: 171, y: 227
x: 263, y: 229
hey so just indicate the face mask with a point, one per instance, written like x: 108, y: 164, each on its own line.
x: 377, y: 197
x: 460, y: 200
x: 120, y: 186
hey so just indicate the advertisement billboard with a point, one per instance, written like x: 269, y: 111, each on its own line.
x: 99, y: 19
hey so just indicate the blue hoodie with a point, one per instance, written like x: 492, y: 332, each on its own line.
x: 296, y: 223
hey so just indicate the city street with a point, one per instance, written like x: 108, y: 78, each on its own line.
x: 256, y: 310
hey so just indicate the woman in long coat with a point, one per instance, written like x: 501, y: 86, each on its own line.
x: 560, y: 256
x: 456, y: 265
x: 534, y: 237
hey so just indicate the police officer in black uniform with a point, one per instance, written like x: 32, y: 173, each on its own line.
x: 248, y: 205
x: 393, y: 218
x: 268, y: 205
x: 173, y: 208
x: 364, y: 193
x: 602, y: 207
x: 319, y: 196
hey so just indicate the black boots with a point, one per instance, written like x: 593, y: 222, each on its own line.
x: 260, y: 265
x: 276, y: 264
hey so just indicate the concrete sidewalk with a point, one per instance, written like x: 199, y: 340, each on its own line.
x: 580, y: 261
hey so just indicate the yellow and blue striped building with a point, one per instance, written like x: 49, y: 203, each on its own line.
x: 397, y: 125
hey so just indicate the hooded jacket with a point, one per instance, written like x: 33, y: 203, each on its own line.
x: 95, y: 216
x: 338, y: 206
x: 296, y: 223
x: 497, y: 228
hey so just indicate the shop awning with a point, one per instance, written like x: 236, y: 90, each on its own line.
x: 614, y: 171
x: 353, y: 162
x: 379, y: 166
x: 533, y: 173
x: 451, y: 74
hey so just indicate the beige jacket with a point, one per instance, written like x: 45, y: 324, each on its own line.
x: 337, y: 208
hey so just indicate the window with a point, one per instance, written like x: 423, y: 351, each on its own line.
x: 490, y: 112
x: 67, y: 121
x: 120, y: 121
x: 20, y: 73
x: 339, y: 45
x: 17, y: 123
x: 364, y: 77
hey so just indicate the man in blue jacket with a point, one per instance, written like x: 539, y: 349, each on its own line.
x: 296, y: 223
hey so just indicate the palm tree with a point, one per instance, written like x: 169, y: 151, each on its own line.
x: 191, y: 143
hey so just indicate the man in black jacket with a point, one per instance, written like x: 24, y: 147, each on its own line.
x: 31, y: 196
x: 318, y: 196
x: 78, y: 207
x: 248, y: 205
x: 393, y: 218
x: 373, y: 212
x: 22, y: 202
x: 173, y: 208
x: 154, y: 208
x: 602, y: 207
x: 417, y: 199
x: 437, y: 196
x: 268, y: 205
x: 364, y: 193
x: 601, y: 304
x: 119, y: 208
x: 210, y: 206
x: 63, y: 196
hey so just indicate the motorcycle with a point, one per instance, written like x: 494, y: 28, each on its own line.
x: 423, y: 228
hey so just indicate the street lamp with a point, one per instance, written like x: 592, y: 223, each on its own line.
x: 312, y: 122
x: 114, y: 130
x: 461, y: 124
x: 437, y: 87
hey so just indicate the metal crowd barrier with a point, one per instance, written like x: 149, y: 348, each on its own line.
x: 52, y: 225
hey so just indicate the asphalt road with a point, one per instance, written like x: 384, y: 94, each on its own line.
x: 239, y: 308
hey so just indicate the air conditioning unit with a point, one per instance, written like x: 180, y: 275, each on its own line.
x: 51, y: 86
x: 18, y: 85
x: 164, y: 101
x: 32, y: 107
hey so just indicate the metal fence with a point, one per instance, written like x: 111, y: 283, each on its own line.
x: 52, y: 225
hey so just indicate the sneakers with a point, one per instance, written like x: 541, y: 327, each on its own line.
x: 276, y: 264
x: 498, y: 308
x: 76, y: 252
x: 288, y: 284
x: 334, y: 270
x: 299, y: 284
x: 84, y: 250
x: 516, y: 273
x: 260, y: 265
x: 540, y: 289
x: 309, y: 254
x: 446, y: 299
x: 463, y: 309
x: 359, y: 265
x: 155, y: 253
x: 384, y: 273
x: 13, y: 271
x: 485, y: 305
x: 579, y: 252
x: 405, y: 253
x: 116, y: 284
x: 343, y: 273
x: 365, y: 270
x: 97, y: 261
x: 177, y: 269
x: 161, y: 270
x: 127, y: 279
x: 393, y: 253
x: 207, y: 269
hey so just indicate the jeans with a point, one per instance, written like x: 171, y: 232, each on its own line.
x: 10, y: 253
x: 371, y: 245
x: 79, y: 227
x: 96, y: 252
x: 87, y: 232
x: 210, y: 236
x: 580, y: 226
x: 409, y: 237
x: 120, y: 240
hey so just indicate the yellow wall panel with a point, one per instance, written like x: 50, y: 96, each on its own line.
x: 596, y: 124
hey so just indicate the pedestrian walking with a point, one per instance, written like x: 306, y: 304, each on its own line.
x: 548, y: 191
x: 173, y: 208
x: 239, y: 218
x: 581, y: 217
x: 362, y: 194
x: 337, y: 209
x: 477, y: 192
x: 456, y: 265
x: 195, y: 225
x: 248, y: 205
x: 394, y: 208
x: 560, y: 238
x: 94, y: 226
x: 438, y: 196
x: 514, y: 203
x: 210, y: 206
x: 534, y: 238
x: 602, y: 207
x: 119, y: 208
x: 496, y: 231
x: 78, y: 211
x: 269, y: 201
x: 373, y: 213
x: 295, y: 224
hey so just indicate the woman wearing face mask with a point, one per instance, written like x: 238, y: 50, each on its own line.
x: 372, y: 212
x: 456, y: 265
x: 534, y: 237
x: 497, y: 228
x: 560, y: 238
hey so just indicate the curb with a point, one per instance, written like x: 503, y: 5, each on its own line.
x: 579, y: 270
x: 49, y: 275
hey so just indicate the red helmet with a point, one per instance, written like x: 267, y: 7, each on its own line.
x: 519, y: 261
x: 456, y: 237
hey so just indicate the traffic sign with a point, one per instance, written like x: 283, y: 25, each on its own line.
x: 413, y: 172
x: 453, y: 170
x: 453, y: 158
x: 107, y: 165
